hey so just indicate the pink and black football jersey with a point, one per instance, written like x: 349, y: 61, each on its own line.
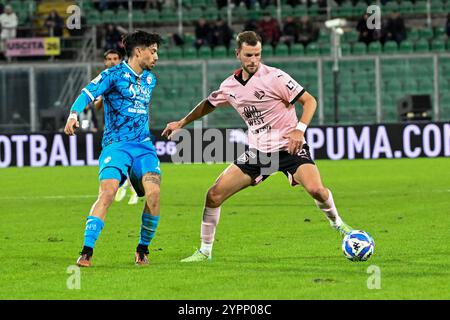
x: 265, y: 102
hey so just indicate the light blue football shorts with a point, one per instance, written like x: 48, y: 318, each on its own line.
x: 134, y: 159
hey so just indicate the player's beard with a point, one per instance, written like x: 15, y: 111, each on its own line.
x: 248, y: 71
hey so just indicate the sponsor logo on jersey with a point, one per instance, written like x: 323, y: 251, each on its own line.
x: 97, y: 79
x: 108, y: 159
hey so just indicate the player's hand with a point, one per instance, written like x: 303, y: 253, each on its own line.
x: 171, y: 128
x: 296, y: 139
x: 71, y: 126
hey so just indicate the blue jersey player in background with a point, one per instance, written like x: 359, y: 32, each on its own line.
x: 126, y: 146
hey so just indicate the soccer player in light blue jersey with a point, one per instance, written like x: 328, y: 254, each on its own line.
x: 127, y: 148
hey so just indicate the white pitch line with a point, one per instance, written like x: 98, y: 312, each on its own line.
x: 85, y: 196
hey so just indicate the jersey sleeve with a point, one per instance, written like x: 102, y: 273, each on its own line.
x: 217, y: 97
x: 287, y: 88
x: 100, y: 85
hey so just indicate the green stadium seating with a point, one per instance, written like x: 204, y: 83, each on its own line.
x: 121, y: 16
x: 220, y: 52
x: 267, y: 51
x: 204, y: 52
x: 282, y: 50
x: 421, y: 45
x: 175, y: 53
x: 420, y: 7
x: 189, y: 52
x: 374, y: 48
x: 426, y: 33
x: 438, y: 45
x: 300, y: 10
x: 325, y: 49
x: 168, y: 15
x: 297, y: 50
x: 108, y: 16
x: 390, y: 47
x: 413, y: 35
x: 346, y: 49
x: 359, y: 48
x: 406, y: 46
x: 152, y: 16
x: 312, y: 49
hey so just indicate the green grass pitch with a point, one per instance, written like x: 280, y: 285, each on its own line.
x: 271, y: 242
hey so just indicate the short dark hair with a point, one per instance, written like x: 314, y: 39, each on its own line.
x: 140, y: 38
x: 112, y: 51
x: 249, y: 37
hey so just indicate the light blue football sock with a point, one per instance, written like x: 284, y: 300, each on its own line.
x: 94, y: 226
x: 148, y: 228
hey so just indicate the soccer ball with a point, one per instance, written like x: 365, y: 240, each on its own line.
x: 358, y: 245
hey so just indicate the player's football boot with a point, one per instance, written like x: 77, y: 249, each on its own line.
x: 141, y: 258
x: 121, y: 193
x: 198, y: 256
x: 85, y: 260
x: 133, y: 199
x: 343, y: 228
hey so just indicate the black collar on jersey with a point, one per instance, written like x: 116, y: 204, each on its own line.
x: 238, y: 77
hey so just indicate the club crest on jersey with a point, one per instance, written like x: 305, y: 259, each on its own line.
x: 259, y: 94
x: 243, y: 158
x: 149, y: 80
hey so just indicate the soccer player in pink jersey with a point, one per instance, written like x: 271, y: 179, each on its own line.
x: 264, y: 97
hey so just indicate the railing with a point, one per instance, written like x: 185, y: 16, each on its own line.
x: 78, y: 77
x: 366, y: 83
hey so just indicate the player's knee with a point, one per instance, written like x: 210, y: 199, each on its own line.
x: 107, y: 195
x: 214, y: 198
x: 152, y: 196
x: 318, y: 192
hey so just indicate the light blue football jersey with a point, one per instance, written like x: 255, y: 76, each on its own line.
x: 126, y: 100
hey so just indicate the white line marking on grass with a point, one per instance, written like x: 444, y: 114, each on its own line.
x: 85, y: 196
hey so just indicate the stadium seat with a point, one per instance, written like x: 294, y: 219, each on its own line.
x: 94, y: 18
x: 421, y: 45
x: 204, y: 52
x: 192, y: 15
x: 139, y: 16
x: 359, y: 48
x: 220, y: 52
x: 325, y: 49
x: 312, y: 49
x: 152, y: 16
x: 393, y: 86
x: 121, y: 16
x: 406, y: 7
x: 426, y: 33
x: 189, y: 52
x: 108, y: 16
x: 175, y: 53
x: 168, y: 15
x: 300, y: 10
x: 438, y: 45
x: 406, y: 46
x: 364, y: 87
x: 297, y: 50
x: 420, y: 7
x: 413, y: 34
x: 390, y: 47
x: 374, y: 48
x: 282, y: 50
x: 346, y: 48
x: 267, y: 51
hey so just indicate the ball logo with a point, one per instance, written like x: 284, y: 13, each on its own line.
x: 107, y: 160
